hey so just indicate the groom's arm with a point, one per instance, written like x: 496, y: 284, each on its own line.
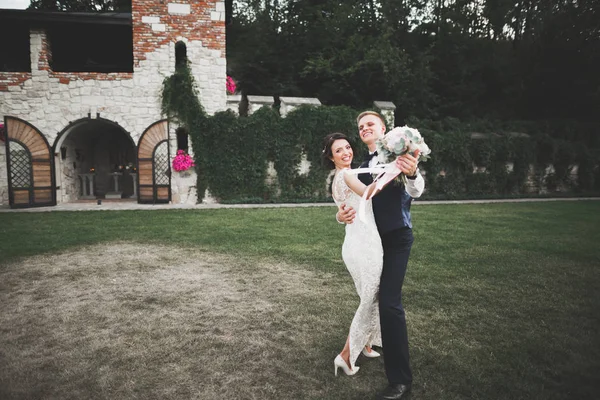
x: 415, y: 185
x: 408, y: 164
x: 345, y: 214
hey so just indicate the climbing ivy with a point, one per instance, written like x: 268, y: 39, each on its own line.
x: 238, y: 155
x: 181, y: 104
x: 241, y: 149
x: 302, y: 133
x: 508, y: 164
x: 233, y: 153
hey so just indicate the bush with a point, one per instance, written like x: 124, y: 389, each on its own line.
x: 232, y: 152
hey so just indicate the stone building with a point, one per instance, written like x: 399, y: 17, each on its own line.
x: 80, y: 99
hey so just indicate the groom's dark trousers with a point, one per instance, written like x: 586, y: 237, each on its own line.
x: 392, y: 215
x: 396, y: 249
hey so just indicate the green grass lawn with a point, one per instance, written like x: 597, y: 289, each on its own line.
x: 501, y: 299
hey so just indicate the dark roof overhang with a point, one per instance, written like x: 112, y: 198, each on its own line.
x: 46, y: 18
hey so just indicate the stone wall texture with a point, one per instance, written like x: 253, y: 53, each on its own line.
x: 51, y: 101
x: 3, y: 177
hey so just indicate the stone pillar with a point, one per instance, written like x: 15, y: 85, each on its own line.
x: 290, y: 103
x: 3, y: 175
x: 87, y: 186
x: 115, y: 194
x: 256, y: 102
x: 387, y: 111
x: 134, y: 177
x: 233, y: 103
x: 183, y: 183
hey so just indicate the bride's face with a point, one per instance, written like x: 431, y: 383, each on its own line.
x: 341, y: 153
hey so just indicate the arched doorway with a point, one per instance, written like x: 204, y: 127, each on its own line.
x: 154, y: 164
x: 95, y: 159
x: 31, y: 180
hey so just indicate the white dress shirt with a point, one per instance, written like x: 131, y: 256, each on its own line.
x: 414, y: 187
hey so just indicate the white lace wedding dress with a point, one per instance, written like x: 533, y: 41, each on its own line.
x: 363, y: 255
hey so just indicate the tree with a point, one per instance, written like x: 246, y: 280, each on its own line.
x: 81, y: 5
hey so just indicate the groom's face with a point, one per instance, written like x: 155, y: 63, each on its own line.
x: 370, y: 128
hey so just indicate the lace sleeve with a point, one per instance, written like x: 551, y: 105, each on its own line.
x: 340, y: 190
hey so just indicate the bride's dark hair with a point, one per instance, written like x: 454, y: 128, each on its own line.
x: 326, y: 153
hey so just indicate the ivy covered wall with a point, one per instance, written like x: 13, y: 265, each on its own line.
x: 237, y: 150
x: 481, y: 159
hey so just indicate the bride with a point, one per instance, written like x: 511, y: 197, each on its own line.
x: 362, y: 253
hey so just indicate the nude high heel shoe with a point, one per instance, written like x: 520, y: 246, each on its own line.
x: 371, y: 354
x: 340, y: 363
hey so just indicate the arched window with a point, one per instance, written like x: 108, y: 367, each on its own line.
x: 182, y: 139
x: 180, y: 54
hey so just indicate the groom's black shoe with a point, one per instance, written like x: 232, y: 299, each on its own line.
x: 395, y: 391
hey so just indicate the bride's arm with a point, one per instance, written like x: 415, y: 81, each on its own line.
x: 358, y: 187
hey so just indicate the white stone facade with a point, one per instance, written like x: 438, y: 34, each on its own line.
x: 3, y: 177
x: 132, y: 101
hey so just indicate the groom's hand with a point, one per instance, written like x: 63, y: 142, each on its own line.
x: 345, y: 214
x: 408, y: 163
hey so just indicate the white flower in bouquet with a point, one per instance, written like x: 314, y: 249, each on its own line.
x: 399, y: 141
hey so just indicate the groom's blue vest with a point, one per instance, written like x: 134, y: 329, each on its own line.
x: 391, y: 206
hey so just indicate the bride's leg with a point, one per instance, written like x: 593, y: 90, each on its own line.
x: 368, y: 347
x: 346, y: 352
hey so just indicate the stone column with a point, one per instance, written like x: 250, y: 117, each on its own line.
x: 134, y: 177
x: 116, y: 194
x: 290, y: 103
x: 3, y: 175
x: 256, y: 102
x: 387, y: 111
x: 87, y: 186
x: 233, y: 103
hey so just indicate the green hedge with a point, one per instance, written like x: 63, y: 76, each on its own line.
x: 531, y: 152
x: 232, y: 152
x: 238, y: 150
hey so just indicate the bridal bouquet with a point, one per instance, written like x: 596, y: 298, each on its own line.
x: 397, y: 142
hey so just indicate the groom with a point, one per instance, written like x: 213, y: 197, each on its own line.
x: 392, y: 215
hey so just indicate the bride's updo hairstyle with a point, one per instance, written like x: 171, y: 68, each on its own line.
x: 326, y: 153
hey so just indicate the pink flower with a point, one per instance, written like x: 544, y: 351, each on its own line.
x: 182, y: 161
x: 230, y: 85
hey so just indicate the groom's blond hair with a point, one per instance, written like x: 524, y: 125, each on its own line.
x: 362, y: 114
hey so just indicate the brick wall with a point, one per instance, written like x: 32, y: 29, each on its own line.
x: 52, y: 100
x: 157, y: 23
